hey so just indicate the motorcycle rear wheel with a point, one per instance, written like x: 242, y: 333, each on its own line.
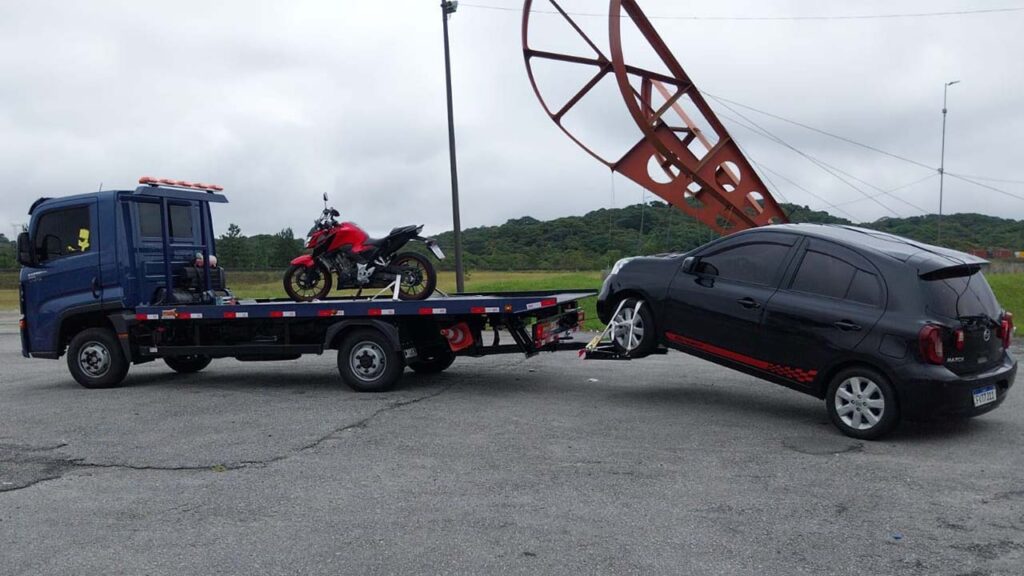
x: 307, y: 284
x: 418, y: 276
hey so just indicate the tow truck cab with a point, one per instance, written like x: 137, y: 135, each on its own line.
x: 87, y: 257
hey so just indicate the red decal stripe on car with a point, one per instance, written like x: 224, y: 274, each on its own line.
x: 796, y: 374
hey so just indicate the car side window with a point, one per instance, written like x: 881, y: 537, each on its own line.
x: 822, y: 274
x: 865, y: 289
x: 826, y: 275
x: 756, y: 262
x: 63, y: 232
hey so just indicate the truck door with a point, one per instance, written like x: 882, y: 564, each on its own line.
x: 66, y: 277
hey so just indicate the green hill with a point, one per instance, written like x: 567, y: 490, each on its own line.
x: 598, y: 238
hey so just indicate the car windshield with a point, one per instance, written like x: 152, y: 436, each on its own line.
x: 961, y: 296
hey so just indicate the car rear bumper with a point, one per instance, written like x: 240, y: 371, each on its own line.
x: 933, y: 391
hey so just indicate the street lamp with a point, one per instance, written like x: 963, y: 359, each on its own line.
x: 942, y: 160
x: 448, y: 7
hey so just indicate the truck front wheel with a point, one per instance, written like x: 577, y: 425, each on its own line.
x: 368, y: 362
x: 96, y: 360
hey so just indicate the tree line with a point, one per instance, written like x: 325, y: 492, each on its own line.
x: 599, y: 238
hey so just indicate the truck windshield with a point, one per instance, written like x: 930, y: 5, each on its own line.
x: 961, y: 296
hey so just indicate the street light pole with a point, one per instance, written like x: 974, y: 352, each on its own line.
x: 942, y: 160
x: 448, y: 8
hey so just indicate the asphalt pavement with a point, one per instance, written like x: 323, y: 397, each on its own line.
x: 552, y: 465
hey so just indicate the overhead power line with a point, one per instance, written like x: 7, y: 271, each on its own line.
x: 993, y: 188
x: 819, y: 163
x: 820, y: 131
x: 819, y: 17
x: 963, y: 177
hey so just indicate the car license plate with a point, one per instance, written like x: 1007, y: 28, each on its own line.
x: 984, y: 395
x: 437, y: 251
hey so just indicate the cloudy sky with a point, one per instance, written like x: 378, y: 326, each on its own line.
x: 281, y: 101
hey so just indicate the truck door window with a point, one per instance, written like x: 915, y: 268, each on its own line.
x: 63, y: 233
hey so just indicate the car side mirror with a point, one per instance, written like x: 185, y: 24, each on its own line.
x: 26, y: 256
x: 690, y: 264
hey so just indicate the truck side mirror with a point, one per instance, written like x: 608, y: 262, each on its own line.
x: 26, y: 256
x: 51, y: 247
x: 689, y: 264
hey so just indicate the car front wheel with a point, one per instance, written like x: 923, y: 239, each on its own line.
x: 862, y: 403
x: 633, y: 331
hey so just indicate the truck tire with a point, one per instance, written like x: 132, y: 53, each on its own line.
x: 96, y: 360
x: 367, y: 361
x: 188, y: 364
x: 434, y: 364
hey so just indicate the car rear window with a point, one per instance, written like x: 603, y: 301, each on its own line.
x: 961, y: 296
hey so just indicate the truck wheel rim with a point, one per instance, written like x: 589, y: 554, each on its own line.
x: 627, y: 319
x: 859, y: 403
x: 94, y: 359
x: 367, y: 361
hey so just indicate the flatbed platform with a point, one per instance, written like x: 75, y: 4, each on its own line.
x: 480, y: 303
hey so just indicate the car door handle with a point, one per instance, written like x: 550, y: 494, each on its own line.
x: 749, y: 303
x: 847, y: 326
x: 95, y: 287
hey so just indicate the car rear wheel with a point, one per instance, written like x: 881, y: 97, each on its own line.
x: 633, y: 331
x: 862, y: 403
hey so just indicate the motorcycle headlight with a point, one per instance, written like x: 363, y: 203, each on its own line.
x: 618, y: 266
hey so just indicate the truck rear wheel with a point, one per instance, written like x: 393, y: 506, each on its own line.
x: 96, y: 360
x: 368, y: 362
x: 188, y: 364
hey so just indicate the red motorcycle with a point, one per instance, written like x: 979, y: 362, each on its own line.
x: 360, y: 261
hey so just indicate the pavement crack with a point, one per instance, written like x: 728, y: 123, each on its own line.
x: 31, y: 465
x: 363, y: 423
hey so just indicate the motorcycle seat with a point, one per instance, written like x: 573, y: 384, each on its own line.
x: 374, y: 241
x: 403, y: 229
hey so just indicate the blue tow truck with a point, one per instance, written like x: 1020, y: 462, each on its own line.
x: 111, y: 279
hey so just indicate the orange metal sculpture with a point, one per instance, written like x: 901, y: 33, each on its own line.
x: 686, y: 155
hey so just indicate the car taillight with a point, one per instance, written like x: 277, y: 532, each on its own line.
x: 930, y: 341
x: 1006, y: 329
x: 958, y: 339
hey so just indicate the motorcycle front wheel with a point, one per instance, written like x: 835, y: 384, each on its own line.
x: 307, y: 284
x: 418, y: 276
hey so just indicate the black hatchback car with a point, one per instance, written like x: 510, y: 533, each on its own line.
x: 879, y: 326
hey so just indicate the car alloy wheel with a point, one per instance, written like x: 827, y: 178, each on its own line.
x: 859, y: 403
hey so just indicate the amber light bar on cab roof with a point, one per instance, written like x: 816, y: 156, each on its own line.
x: 180, y: 183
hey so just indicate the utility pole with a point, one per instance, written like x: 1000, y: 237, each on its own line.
x: 448, y: 7
x: 942, y: 160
